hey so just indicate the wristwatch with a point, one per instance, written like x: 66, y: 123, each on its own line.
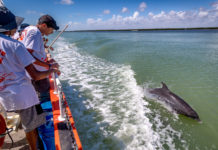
x: 49, y: 66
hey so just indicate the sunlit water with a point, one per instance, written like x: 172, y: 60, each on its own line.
x: 105, y: 76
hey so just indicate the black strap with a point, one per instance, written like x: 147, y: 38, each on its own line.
x: 8, y: 131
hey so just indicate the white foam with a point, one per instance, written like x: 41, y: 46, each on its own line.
x: 166, y: 132
x: 113, y: 108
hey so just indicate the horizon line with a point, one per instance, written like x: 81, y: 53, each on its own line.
x: 146, y: 29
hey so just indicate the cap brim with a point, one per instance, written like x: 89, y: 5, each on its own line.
x: 12, y: 25
x: 56, y: 27
x: 19, y: 20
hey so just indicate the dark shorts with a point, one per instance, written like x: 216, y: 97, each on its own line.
x: 32, y: 117
x: 41, y: 86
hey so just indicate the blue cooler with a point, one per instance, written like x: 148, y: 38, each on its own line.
x: 46, y: 131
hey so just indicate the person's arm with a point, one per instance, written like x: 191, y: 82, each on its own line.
x: 26, y: 60
x: 45, y: 40
x: 41, y: 63
x: 39, y: 75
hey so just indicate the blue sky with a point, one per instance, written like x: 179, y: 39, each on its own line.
x: 119, y: 14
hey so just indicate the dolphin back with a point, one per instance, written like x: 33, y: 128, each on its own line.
x: 174, y: 101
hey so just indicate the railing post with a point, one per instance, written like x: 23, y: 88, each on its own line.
x: 57, y: 83
x: 62, y: 116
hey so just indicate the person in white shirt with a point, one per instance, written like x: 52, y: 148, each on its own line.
x: 32, y: 38
x: 16, y: 91
x: 17, y: 35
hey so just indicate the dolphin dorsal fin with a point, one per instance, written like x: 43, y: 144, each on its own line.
x: 164, y: 86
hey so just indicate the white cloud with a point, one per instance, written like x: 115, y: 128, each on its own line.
x: 150, y: 14
x: 90, y: 21
x: 31, y: 12
x: 215, y: 5
x: 124, y: 9
x: 67, y: 2
x: 142, y: 6
x: 41, y: 14
x: 93, y: 21
x: 181, y: 14
x: 107, y: 11
x: 163, y: 19
x: 136, y: 14
x: 203, y: 13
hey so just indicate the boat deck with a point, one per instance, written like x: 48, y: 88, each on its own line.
x: 19, y: 138
x: 65, y: 133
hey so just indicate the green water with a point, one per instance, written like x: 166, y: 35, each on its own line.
x: 187, y: 61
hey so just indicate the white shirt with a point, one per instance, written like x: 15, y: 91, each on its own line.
x: 16, y: 90
x: 16, y: 35
x: 32, y: 38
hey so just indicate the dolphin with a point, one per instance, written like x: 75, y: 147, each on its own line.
x: 174, y: 101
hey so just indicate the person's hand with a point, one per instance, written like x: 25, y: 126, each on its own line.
x: 49, y: 57
x: 46, y: 50
x: 45, y: 42
x: 54, y: 66
x: 51, y: 48
x: 51, y: 61
x: 55, y: 70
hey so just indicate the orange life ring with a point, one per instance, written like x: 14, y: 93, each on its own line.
x: 2, y: 130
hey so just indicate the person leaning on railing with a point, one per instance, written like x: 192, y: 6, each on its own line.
x: 32, y: 38
x: 16, y: 91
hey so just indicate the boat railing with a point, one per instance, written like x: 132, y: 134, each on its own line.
x: 64, y: 112
x: 59, y: 92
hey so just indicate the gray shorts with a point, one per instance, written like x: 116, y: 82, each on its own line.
x: 32, y: 117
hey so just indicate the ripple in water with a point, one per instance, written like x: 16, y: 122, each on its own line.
x: 108, y: 106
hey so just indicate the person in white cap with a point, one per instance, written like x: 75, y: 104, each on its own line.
x: 16, y: 91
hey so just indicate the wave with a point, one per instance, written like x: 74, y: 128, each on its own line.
x: 109, y: 107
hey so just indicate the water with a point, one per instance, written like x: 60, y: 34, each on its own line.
x: 105, y: 76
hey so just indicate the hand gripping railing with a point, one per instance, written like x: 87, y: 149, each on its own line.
x: 58, y: 90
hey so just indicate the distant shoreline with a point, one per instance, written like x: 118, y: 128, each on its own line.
x: 154, y: 29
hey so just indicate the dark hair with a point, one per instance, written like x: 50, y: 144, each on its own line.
x: 49, y: 21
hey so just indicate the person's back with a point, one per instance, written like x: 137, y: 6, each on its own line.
x: 13, y: 79
x: 32, y: 39
x: 16, y: 91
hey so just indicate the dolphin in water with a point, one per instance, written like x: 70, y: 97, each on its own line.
x: 174, y: 101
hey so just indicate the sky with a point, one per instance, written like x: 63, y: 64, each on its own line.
x: 119, y: 14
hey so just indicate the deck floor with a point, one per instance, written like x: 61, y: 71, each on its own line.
x: 19, y: 138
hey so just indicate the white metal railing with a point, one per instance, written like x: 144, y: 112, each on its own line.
x: 63, y: 114
x: 58, y: 90
x: 57, y: 83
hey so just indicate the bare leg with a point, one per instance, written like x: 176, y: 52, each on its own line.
x: 32, y: 139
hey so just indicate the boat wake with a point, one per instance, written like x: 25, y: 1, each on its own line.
x: 109, y: 107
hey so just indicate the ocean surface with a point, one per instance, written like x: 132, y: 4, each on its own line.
x: 105, y: 77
